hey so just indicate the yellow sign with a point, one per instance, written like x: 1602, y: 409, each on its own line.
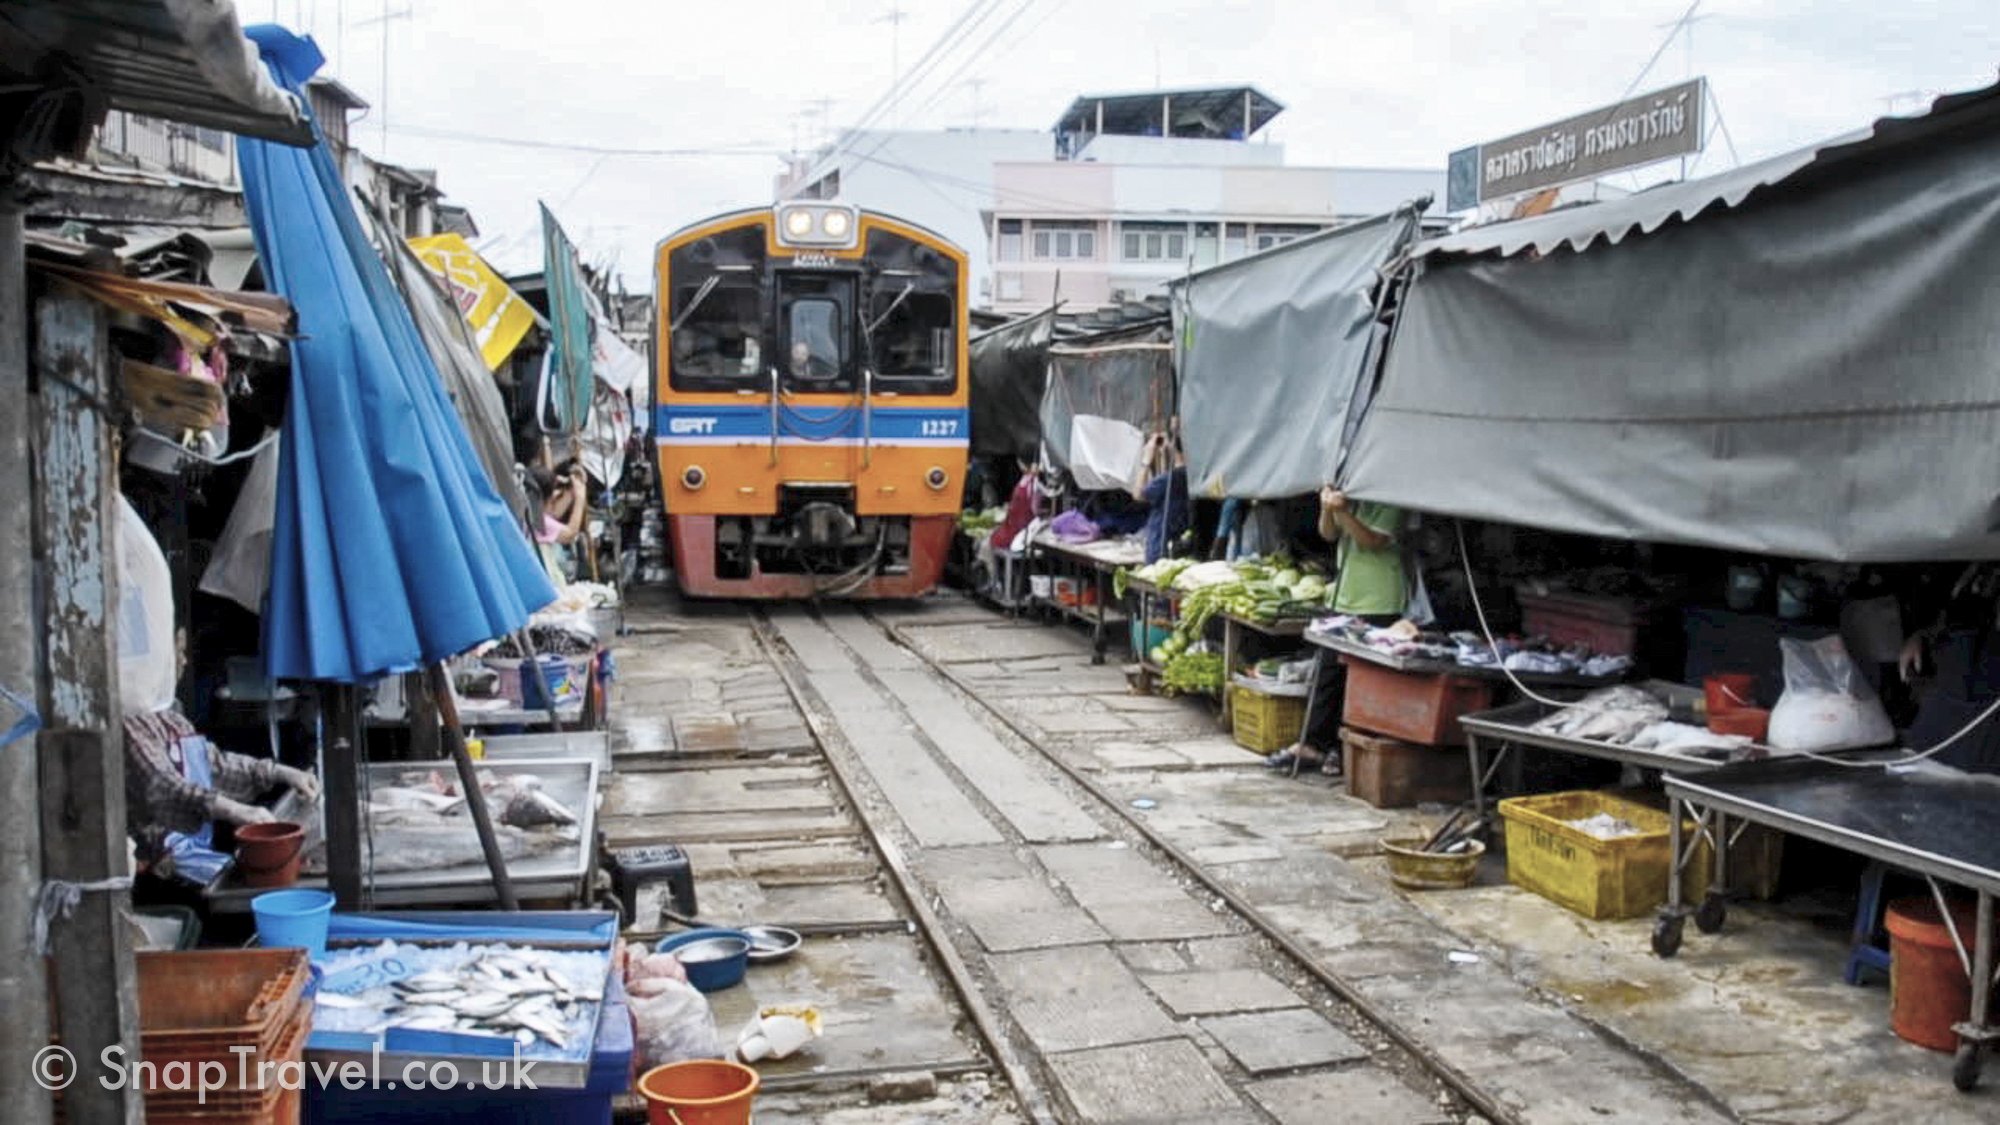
x: 498, y: 315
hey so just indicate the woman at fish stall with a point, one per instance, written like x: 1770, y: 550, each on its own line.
x: 1372, y: 584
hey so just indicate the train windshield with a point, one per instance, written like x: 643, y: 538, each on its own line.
x: 815, y: 312
x: 715, y: 313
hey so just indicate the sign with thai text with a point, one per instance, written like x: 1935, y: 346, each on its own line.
x: 1662, y: 125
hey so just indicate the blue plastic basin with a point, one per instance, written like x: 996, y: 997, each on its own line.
x: 731, y: 950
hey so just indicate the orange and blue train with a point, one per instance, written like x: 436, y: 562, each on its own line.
x: 811, y: 377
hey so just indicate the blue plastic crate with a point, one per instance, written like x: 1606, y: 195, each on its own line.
x: 610, y: 1076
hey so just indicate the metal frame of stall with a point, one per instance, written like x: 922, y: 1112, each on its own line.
x: 1711, y: 805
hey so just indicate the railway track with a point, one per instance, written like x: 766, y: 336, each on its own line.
x: 958, y: 952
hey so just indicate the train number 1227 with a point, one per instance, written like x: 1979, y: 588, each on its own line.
x: 939, y: 427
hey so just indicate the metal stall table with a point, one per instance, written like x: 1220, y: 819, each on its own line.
x: 1500, y: 730
x: 1096, y: 563
x: 1939, y: 827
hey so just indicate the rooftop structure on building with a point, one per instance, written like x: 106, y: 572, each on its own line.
x: 1123, y: 193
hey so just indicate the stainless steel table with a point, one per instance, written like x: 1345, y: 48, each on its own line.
x: 1096, y: 563
x: 1941, y: 828
x: 1500, y: 730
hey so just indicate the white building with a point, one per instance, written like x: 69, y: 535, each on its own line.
x: 1130, y: 191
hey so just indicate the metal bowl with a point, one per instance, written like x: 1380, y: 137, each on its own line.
x: 771, y: 943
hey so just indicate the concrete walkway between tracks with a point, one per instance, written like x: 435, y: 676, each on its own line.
x: 1139, y: 994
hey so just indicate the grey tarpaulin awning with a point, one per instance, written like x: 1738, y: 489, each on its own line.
x: 1813, y: 371
x: 183, y: 60
x: 1125, y: 376
x: 1270, y: 348
x: 1010, y: 367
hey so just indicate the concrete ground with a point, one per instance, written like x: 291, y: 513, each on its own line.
x: 1754, y: 1022
x: 1111, y: 984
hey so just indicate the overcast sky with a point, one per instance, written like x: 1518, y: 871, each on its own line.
x: 1365, y: 82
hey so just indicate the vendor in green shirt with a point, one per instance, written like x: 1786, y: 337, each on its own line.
x: 1371, y: 585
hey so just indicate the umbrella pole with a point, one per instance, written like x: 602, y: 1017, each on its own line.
x: 468, y: 783
x: 534, y: 663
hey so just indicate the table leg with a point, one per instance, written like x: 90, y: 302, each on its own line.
x: 1228, y: 667
x: 1097, y: 628
x: 1709, y: 916
x: 1975, y: 1034
x: 1672, y: 921
x: 1478, y: 777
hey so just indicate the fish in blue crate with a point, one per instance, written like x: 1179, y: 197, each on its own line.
x: 544, y: 1000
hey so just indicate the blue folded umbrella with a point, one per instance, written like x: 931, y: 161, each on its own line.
x: 390, y: 549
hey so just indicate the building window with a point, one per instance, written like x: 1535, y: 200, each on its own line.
x: 1063, y: 242
x: 1277, y: 234
x: 1010, y: 286
x: 1154, y: 242
x: 1010, y: 240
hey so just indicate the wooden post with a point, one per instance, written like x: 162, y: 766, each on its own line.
x: 421, y: 709
x: 23, y: 982
x: 340, y: 796
x: 82, y: 745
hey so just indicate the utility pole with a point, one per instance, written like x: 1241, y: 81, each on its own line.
x: 976, y: 84
x: 894, y: 17
x: 384, y: 20
x: 24, y: 992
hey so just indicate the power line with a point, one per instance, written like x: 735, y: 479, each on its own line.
x: 757, y: 148
x: 899, y: 88
x: 970, y: 59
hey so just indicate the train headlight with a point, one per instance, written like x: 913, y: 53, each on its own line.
x: 818, y: 226
x: 937, y: 478
x: 693, y: 478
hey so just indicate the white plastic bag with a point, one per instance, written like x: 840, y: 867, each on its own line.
x: 148, y: 665
x: 674, y: 1022
x: 1104, y: 452
x: 240, y: 568
x: 1826, y: 705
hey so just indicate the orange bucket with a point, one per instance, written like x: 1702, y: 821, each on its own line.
x: 699, y: 1092
x: 1729, y: 691
x: 1928, y: 987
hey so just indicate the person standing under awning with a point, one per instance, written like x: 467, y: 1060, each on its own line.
x: 1169, y: 509
x: 1371, y: 583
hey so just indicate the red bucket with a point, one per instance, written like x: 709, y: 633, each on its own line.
x: 1729, y: 691
x: 269, y: 855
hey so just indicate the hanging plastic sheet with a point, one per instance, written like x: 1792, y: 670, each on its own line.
x: 1808, y: 372
x: 1270, y: 349
x: 1010, y: 367
x: 571, y: 381
x: 240, y: 566
x: 389, y: 548
x: 1126, y: 377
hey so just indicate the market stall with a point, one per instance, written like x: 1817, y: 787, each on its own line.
x: 1934, y: 824
x: 1840, y: 438
x: 1076, y: 581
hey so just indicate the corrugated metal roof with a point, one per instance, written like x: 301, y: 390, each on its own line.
x: 183, y: 60
x: 1579, y: 228
x: 1133, y: 114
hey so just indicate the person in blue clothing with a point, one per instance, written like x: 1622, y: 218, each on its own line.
x: 1161, y: 485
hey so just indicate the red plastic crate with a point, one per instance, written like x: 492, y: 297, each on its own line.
x: 1610, y: 626
x: 1392, y: 774
x: 1423, y: 708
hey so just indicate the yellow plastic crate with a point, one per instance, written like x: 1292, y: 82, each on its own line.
x: 1617, y: 878
x: 1265, y: 723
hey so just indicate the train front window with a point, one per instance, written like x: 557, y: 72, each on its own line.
x: 815, y: 336
x: 910, y: 336
x: 715, y: 334
x: 815, y: 319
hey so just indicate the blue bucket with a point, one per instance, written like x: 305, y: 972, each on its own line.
x: 556, y: 670
x: 295, y: 919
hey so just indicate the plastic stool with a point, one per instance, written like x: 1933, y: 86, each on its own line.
x: 1864, y: 954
